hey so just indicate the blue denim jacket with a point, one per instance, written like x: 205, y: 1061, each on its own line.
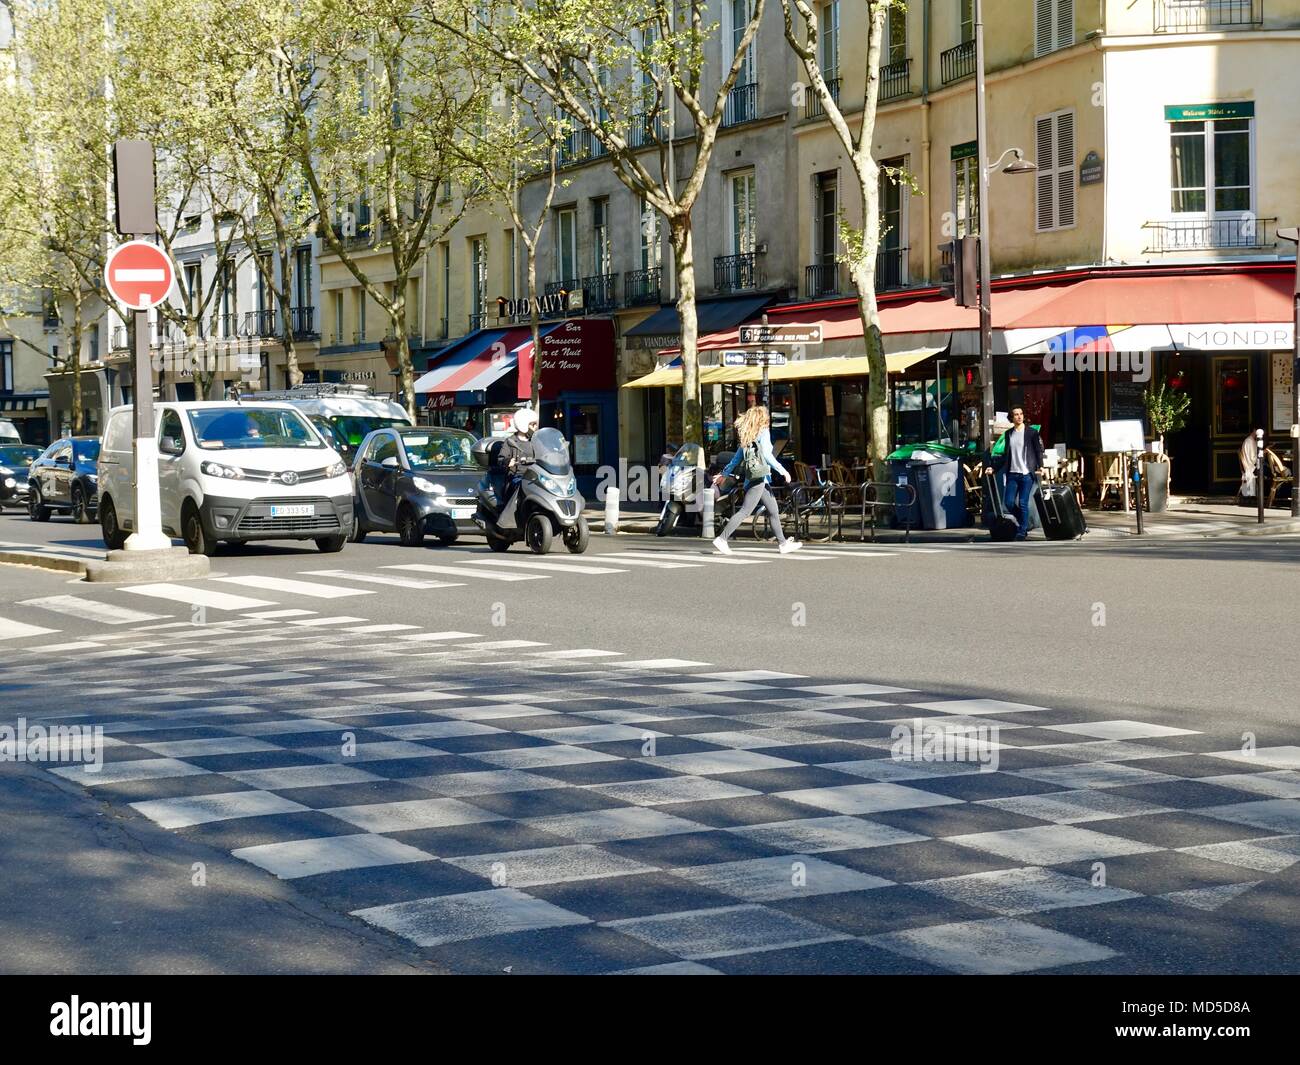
x: 764, y: 442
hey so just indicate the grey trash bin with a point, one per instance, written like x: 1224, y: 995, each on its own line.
x: 940, y: 491
x: 906, y: 512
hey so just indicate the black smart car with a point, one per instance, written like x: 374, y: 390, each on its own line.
x: 63, y: 479
x: 14, y: 461
x: 416, y: 481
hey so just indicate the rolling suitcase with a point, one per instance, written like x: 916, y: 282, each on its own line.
x: 1059, y: 510
x: 1001, y: 525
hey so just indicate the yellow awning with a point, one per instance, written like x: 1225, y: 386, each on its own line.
x: 804, y: 369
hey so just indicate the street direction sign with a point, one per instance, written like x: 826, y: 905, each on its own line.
x: 753, y: 358
x: 781, y: 334
x: 139, y: 275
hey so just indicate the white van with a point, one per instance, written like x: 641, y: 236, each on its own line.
x: 9, y: 432
x: 229, y: 471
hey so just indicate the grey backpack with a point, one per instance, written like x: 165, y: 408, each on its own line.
x: 756, y: 467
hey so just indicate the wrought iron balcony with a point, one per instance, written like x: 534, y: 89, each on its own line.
x: 643, y: 287
x: 645, y: 129
x: 443, y: 332
x: 812, y: 106
x: 1187, y: 234
x: 742, y: 104
x: 119, y: 339
x: 599, y: 291
x: 821, y: 279
x: 477, y: 321
x: 359, y: 336
x: 1207, y: 16
x: 891, y: 268
x: 896, y: 80
x: 260, y: 324
x: 957, y: 63
x: 228, y: 325
x: 303, y: 320
x: 736, y: 273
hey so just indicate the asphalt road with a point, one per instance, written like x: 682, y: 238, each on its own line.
x: 1097, y: 660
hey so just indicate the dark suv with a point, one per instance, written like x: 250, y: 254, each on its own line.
x: 63, y: 479
x: 14, y: 460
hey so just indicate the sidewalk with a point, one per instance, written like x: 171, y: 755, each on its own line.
x: 1185, y: 519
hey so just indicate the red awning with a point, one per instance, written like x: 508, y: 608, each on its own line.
x: 1099, y: 297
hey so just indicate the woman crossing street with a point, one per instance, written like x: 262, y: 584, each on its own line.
x: 758, y: 460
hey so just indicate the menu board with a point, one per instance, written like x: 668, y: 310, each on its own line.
x: 1126, y: 400
x: 1283, y: 391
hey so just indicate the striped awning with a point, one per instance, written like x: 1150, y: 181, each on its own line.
x: 475, y: 363
x: 802, y: 369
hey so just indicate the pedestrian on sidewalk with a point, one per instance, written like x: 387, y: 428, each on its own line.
x: 756, y: 457
x: 1022, y: 457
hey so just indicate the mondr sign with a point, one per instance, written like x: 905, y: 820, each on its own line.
x: 139, y: 275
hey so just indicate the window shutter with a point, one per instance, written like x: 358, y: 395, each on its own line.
x: 1064, y: 23
x: 1065, y: 171
x: 1042, y: 27
x: 1046, y: 175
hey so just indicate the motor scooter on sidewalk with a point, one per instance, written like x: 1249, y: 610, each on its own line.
x: 541, y: 503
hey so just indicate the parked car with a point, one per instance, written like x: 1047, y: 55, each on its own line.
x: 415, y: 482
x: 230, y: 471
x: 14, y: 462
x: 64, y: 480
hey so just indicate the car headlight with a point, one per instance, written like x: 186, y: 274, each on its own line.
x: 216, y: 469
x: 337, y: 470
x: 5, y: 471
x: 10, y: 482
x: 93, y: 478
x: 423, y: 485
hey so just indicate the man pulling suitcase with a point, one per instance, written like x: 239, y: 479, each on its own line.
x: 1022, y: 457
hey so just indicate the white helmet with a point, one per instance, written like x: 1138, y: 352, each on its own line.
x: 525, y: 418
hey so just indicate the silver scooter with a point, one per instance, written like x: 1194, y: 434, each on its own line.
x: 544, y: 503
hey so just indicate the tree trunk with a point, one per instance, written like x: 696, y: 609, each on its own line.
x: 406, y: 373
x: 534, y: 320
x: 862, y: 269
x: 74, y: 353
x: 684, y: 262
x: 286, y: 310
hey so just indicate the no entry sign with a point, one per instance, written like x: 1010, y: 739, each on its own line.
x: 139, y: 275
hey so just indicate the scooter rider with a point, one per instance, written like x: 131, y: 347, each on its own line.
x: 517, y: 449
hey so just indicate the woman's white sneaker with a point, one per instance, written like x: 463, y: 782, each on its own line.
x: 722, y: 546
x: 788, y: 546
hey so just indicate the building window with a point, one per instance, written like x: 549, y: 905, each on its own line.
x: 227, y: 299
x: 739, y: 12
x: 965, y: 190
x: 477, y: 276
x: 891, y: 261
x: 446, y: 290
x: 1053, y: 25
x: 566, y: 244
x: 651, y: 237
x: 1210, y: 166
x: 512, y: 253
x: 830, y: 40
x: 826, y: 215
x: 743, y: 213
x: 967, y: 11
x: 1054, y: 141
x: 193, y: 283
x: 302, y: 277
x: 361, y: 315
x: 6, y: 365
x: 338, y: 317
x: 895, y: 36
x: 600, y: 254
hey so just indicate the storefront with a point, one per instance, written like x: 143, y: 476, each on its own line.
x: 28, y: 411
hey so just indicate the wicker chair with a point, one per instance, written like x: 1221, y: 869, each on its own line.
x: 1279, y: 475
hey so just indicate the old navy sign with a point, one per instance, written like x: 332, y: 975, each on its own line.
x: 576, y: 356
x: 1234, y: 336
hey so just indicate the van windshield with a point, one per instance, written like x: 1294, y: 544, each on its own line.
x: 351, y: 429
x: 240, y: 428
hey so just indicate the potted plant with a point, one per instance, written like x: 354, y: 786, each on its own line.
x: 1166, y: 413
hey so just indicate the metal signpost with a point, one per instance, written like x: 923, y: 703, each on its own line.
x: 1292, y: 233
x: 139, y: 276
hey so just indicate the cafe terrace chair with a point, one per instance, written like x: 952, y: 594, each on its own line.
x: 1278, y: 474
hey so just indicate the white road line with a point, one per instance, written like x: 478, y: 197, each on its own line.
x: 379, y: 628
x: 91, y: 610
x: 379, y: 578
x: 725, y: 560
x: 581, y: 652
x: 497, y: 645
x: 426, y: 637
x: 16, y: 630
x: 624, y: 560
x: 315, y: 622
x: 491, y: 575
x: 269, y: 615
x: 185, y: 593
x: 558, y: 567
x: 283, y: 584
x: 660, y: 663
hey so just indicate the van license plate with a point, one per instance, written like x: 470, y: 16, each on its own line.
x: 299, y: 510
x: 462, y: 513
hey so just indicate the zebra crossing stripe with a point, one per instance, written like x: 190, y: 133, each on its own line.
x: 624, y: 560
x: 660, y: 663
x: 581, y: 652
x: 426, y: 637
x: 193, y: 596
x: 271, y: 615
x: 558, y: 567
x: 491, y: 575
x: 343, y: 620
x: 283, y: 584
x: 16, y: 630
x: 498, y: 645
x: 378, y: 628
x: 91, y: 610
x: 723, y: 560
x: 379, y: 578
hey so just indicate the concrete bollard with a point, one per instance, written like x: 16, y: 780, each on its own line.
x: 611, y: 510
x: 706, y: 512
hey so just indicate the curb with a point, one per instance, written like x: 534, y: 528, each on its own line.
x: 60, y: 563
